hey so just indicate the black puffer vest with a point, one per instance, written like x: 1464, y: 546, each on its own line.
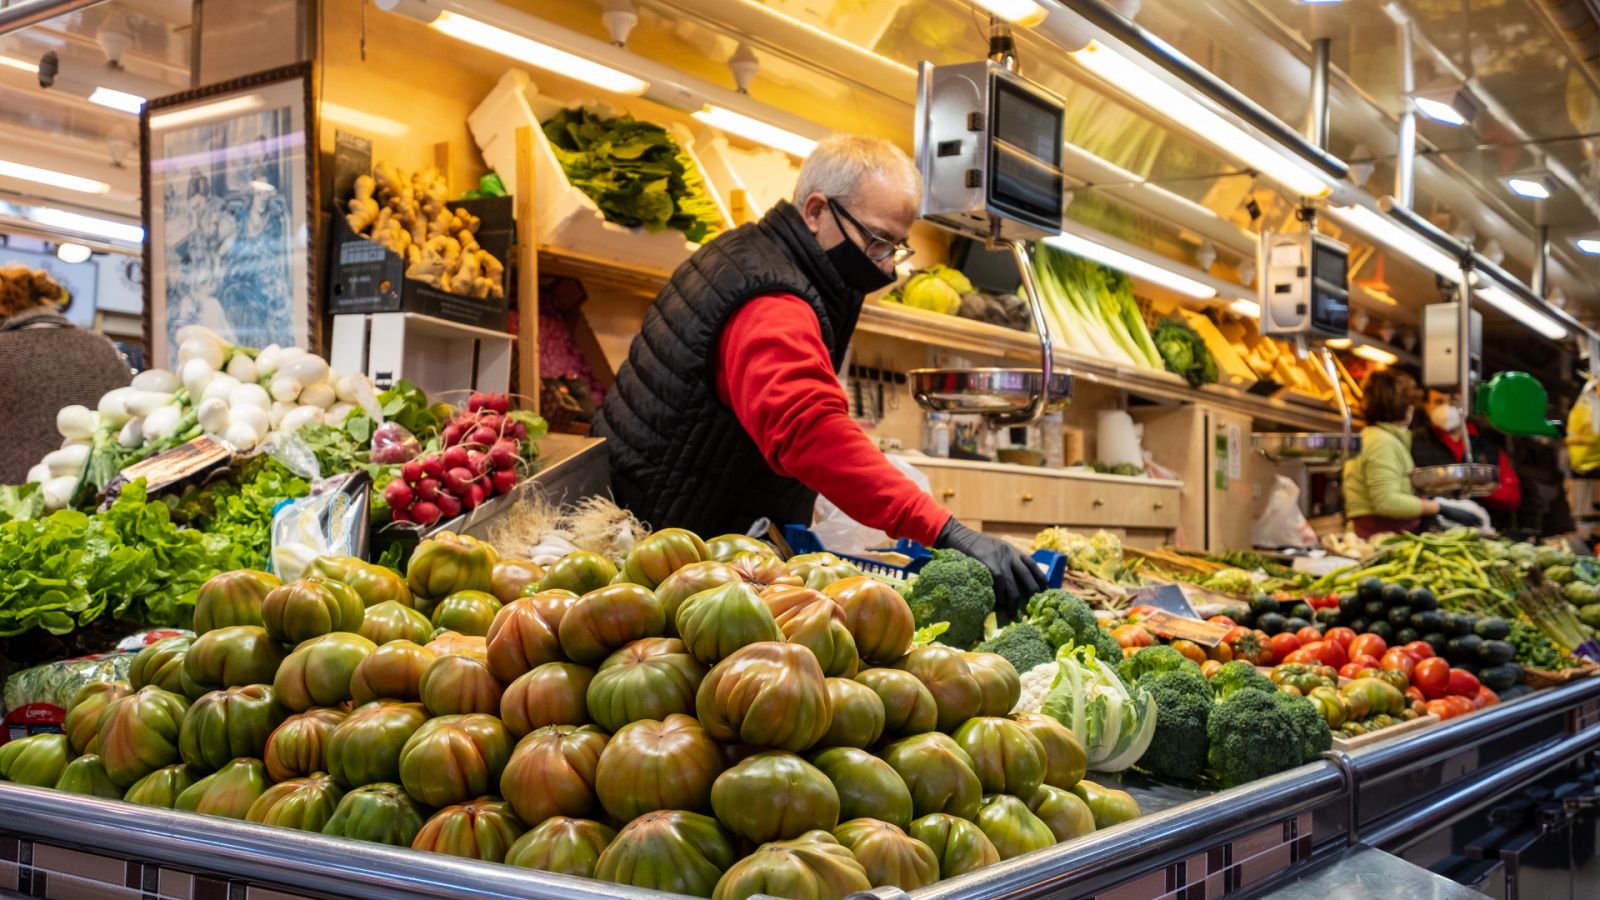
x: 679, y: 457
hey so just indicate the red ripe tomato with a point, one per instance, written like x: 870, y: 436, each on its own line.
x: 1442, y: 708
x: 1368, y: 645
x: 1461, y: 705
x: 1141, y: 612
x: 1222, y: 620
x: 1284, y: 644
x: 1333, y: 654
x: 1342, y: 635
x: 1351, y: 670
x: 1462, y: 684
x: 1396, y: 660
x: 1486, y: 697
x: 1366, y: 662
x: 1302, y: 656
x: 1432, y: 677
x: 1415, y: 695
x: 1308, y: 634
x: 1418, y: 650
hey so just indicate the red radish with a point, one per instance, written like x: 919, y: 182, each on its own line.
x: 477, y: 401
x: 476, y: 494
x: 411, y: 472
x: 428, y: 489
x: 518, y: 431
x: 457, y: 480
x: 398, y: 494
x: 425, y: 513
x: 503, y: 480
x: 500, y: 403
x: 449, y: 505
x: 503, y: 455
x: 452, y: 434
x: 433, y: 466
x: 478, y: 462
x: 483, y: 436
x: 400, y: 515
x: 456, y: 458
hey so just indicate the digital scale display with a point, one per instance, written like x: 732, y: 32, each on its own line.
x: 1025, y: 156
x: 1330, y: 303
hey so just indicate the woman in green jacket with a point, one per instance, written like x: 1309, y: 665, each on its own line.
x: 1377, y: 483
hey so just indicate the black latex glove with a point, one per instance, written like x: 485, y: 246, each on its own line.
x: 1016, y: 577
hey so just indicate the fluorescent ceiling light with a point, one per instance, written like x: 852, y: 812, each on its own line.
x: 1381, y: 357
x: 13, y: 63
x: 1249, y: 308
x: 1522, y: 311
x: 89, y: 225
x: 1439, y: 111
x: 195, y: 114
x: 1132, y: 265
x: 534, y: 53
x: 1451, y: 104
x: 1589, y: 245
x: 72, y: 254
x: 1122, y: 73
x: 1132, y: 179
x: 53, y: 178
x: 1531, y: 185
x: 1387, y: 233
x: 1338, y: 343
x: 355, y: 118
x: 1017, y: 12
x: 756, y: 130
x: 121, y: 101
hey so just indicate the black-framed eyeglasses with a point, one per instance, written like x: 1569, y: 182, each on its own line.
x: 878, y: 248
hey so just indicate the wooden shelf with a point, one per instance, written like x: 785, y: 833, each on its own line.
x: 967, y: 336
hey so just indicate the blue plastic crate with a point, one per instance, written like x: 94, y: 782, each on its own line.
x: 803, y: 540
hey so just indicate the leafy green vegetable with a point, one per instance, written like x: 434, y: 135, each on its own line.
x: 405, y: 405
x: 20, y: 501
x: 1185, y: 352
x: 634, y: 171
x: 1113, y: 723
x: 240, y: 507
x: 69, y: 568
x: 1093, y: 308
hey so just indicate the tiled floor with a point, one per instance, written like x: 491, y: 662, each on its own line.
x: 1223, y: 869
x: 38, y: 869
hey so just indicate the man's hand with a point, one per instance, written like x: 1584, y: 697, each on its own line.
x: 1016, y: 577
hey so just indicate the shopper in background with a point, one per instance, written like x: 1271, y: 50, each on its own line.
x: 1438, y: 443
x: 46, y: 363
x: 1377, y: 483
x: 729, y: 408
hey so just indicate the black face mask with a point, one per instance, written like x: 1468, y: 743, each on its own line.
x: 856, y: 268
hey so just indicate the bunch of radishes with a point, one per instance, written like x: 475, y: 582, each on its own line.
x: 482, y: 451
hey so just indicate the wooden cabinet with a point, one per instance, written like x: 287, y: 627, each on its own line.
x: 1004, y: 498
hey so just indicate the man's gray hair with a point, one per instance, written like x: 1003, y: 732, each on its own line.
x: 843, y: 163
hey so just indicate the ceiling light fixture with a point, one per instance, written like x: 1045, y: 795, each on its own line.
x: 1373, y: 354
x: 1536, y: 185
x: 196, y: 114
x: 756, y: 130
x: 1018, y: 12
x: 1450, y: 105
x: 121, y: 101
x: 534, y: 53
x: 1134, y: 266
x: 78, y: 223
x: 1247, y: 308
x: 72, y: 254
x: 53, y: 178
x: 1522, y: 311
x: 1338, y: 343
x: 1118, y: 71
x: 1385, y: 232
x: 1589, y: 244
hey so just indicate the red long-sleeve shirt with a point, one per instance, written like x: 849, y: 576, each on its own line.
x: 774, y: 373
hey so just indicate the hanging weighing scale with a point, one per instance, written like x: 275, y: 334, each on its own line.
x: 989, y: 146
x: 1304, y: 294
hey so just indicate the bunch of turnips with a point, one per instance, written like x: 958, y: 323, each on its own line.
x: 626, y: 720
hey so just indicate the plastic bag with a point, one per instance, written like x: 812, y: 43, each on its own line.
x: 330, y: 522
x: 1281, y: 524
x: 1583, y: 429
x: 842, y: 534
x: 392, y: 444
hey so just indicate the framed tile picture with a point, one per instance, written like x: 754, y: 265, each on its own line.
x: 230, y: 210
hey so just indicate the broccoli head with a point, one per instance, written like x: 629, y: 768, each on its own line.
x: 955, y: 588
x: 1064, y: 617
x: 1252, y: 735
x: 1022, y: 644
x: 1240, y: 676
x: 1158, y: 658
x: 1183, y: 706
x: 1315, y: 737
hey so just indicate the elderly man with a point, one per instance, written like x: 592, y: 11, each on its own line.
x: 729, y: 408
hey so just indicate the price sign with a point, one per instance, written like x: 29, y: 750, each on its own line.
x: 175, y: 465
x: 1166, y: 625
x: 1168, y: 597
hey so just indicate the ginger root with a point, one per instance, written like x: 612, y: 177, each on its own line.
x: 363, y: 209
x: 407, y: 213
